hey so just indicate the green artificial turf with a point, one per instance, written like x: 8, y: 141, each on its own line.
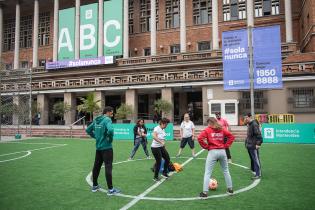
x: 54, y: 178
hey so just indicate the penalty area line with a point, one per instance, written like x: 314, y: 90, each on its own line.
x: 142, y: 195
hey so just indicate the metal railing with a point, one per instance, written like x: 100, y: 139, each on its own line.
x: 71, y: 126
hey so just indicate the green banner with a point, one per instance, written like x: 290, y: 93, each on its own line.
x: 125, y: 131
x: 88, y: 30
x: 66, y: 34
x: 113, y: 27
x: 289, y: 133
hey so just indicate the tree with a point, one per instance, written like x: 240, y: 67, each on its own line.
x: 123, y: 111
x: 60, y: 108
x: 89, y: 105
x: 163, y: 106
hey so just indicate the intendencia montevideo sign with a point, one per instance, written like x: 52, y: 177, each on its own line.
x: 88, y: 35
x: 266, y: 58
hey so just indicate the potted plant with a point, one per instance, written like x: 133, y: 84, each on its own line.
x: 162, y: 106
x: 60, y: 109
x: 123, y: 112
x: 89, y: 105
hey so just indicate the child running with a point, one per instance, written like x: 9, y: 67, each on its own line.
x: 212, y: 139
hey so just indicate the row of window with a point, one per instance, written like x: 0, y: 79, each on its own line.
x: 26, y: 64
x: 201, y: 46
x: 26, y: 31
x: 202, y: 12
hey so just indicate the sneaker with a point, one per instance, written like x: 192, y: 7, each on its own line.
x: 95, y: 188
x: 203, y: 195
x: 254, y: 173
x: 129, y: 159
x: 113, y: 191
x: 255, y: 177
x: 149, y: 157
x: 229, y: 191
x: 229, y: 160
x: 156, y: 179
x: 165, y: 175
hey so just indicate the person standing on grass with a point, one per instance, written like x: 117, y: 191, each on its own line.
x: 101, y: 129
x: 140, y: 137
x: 223, y: 122
x: 187, y: 135
x: 253, y: 143
x: 158, y: 149
x: 212, y: 139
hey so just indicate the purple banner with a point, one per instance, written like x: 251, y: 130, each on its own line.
x: 80, y: 62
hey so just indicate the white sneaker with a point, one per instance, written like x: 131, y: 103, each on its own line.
x: 148, y: 157
x: 229, y: 160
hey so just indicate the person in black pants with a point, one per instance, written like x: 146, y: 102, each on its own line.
x: 159, y: 151
x: 253, y: 143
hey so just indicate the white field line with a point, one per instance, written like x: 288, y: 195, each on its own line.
x: 40, y: 143
x: 27, y: 154
x: 142, y: 195
x: 31, y: 150
x: 239, y: 165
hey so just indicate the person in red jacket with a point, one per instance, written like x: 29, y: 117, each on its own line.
x: 212, y: 139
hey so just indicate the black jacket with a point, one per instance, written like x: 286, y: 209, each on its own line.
x: 135, y: 131
x: 253, y: 135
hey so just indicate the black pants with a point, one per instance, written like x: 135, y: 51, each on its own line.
x: 159, y: 153
x: 106, y: 157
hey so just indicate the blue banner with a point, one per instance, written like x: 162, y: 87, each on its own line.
x: 267, y: 57
x: 235, y: 60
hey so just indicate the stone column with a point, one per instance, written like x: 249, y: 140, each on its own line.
x: 35, y: 34
x: 43, y: 108
x: 100, y: 27
x: 288, y: 21
x: 250, y: 13
x: 69, y: 99
x: 126, y: 29
x: 15, y: 116
x: 167, y: 94
x: 1, y: 31
x: 132, y: 99
x: 205, y: 105
x: 56, y: 22
x: 17, y: 36
x: 153, y: 27
x: 77, y: 30
x: 215, y: 25
x: 182, y: 26
x: 100, y: 96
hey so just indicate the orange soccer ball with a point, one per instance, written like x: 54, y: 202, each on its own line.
x: 213, y: 184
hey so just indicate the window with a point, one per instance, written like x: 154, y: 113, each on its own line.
x: 303, y: 97
x: 8, y: 35
x: 202, y: 46
x: 145, y: 15
x: 266, y: 7
x: 230, y: 108
x: 44, y: 29
x: 234, y: 10
x: 175, y: 49
x: 24, y: 64
x: 215, y: 108
x: 130, y: 18
x: 26, y: 33
x: 259, y: 100
x: 147, y: 51
x: 202, y: 10
x: 42, y: 63
x: 172, y: 13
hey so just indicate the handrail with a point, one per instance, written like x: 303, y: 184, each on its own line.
x: 71, y: 126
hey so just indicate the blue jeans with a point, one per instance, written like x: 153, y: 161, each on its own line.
x: 255, y: 165
x: 215, y: 155
x: 139, y: 141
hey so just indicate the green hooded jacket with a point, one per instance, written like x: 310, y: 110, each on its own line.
x: 102, y: 130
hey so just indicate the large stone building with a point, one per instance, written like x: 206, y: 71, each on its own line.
x: 179, y: 61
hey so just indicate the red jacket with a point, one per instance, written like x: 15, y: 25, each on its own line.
x: 215, y: 138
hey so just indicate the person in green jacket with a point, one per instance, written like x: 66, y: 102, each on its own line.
x: 101, y: 129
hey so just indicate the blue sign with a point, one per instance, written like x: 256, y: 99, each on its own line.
x: 267, y: 57
x: 235, y: 60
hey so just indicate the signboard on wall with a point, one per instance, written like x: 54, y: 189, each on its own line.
x: 125, y: 131
x: 66, y: 34
x: 235, y: 60
x: 88, y: 30
x: 267, y: 57
x: 289, y: 133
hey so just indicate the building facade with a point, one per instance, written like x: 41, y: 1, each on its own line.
x: 175, y: 56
